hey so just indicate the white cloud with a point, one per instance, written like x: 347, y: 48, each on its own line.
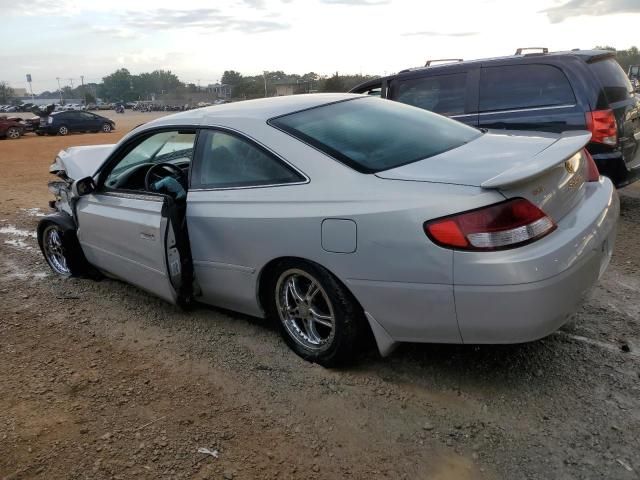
x: 577, y: 8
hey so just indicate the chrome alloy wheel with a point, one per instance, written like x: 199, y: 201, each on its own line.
x: 106, y: 128
x: 305, y: 309
x: 63, y: 130
x: 54, y: 251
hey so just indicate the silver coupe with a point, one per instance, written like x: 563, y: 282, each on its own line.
x: 341, y: 217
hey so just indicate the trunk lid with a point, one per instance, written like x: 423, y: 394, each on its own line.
x: 547, y: 169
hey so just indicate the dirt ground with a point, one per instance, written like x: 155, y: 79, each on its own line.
x: 102, y: 381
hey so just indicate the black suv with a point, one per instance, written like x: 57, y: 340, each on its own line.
x: 62, y: 123
x: 552, y: 92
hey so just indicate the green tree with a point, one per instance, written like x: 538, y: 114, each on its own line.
x: 231, y: 77
x: 118, y: 86
x: 6, y: 93
x: 334, y: 84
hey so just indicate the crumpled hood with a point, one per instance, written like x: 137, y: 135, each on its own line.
x: 81, y: 162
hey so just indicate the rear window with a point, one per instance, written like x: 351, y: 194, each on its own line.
x: 371, y: 135
x: 443, y: 94
x: 523, y: 86
x: 614, y: 82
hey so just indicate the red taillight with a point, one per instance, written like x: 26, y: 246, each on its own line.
x: 593, y: 175
x: 603, y: 127
x: 504, y: 225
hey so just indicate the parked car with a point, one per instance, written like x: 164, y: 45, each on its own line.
x: 62, y: 123
x: 550, y: 92
x: 28, y: 124
x: 104, y: 106
x: 10, y: 128
x: 338, y: 215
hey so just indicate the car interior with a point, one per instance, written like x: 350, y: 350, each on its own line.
x: 160, y: 163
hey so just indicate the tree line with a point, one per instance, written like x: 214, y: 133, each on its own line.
x: 121, y: 85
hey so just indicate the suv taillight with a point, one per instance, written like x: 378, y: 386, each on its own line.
x: 593, y: 174
x: 603, y: 127
x: 500, y: 226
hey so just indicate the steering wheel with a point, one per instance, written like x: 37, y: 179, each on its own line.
x: 151, y: 173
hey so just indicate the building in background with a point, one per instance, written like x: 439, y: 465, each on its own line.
x: 220, y: 90
x: 286, y: 87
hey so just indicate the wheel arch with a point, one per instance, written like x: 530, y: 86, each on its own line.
x: 68, y: 225
x: 267, y: 273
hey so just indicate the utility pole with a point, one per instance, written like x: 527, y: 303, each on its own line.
x: 84, y: 92
x: 264, y: 74
x: 30, y: 87
x: 71, y: 80
x: 59, y: 89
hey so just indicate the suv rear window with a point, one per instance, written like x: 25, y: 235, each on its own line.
x: 523, y: 86
x: 371, y: 135
x: 443, y: 94
x: 615, y: 83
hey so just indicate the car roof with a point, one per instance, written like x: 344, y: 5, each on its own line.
x: 259, y: 109
x: 585, y: 55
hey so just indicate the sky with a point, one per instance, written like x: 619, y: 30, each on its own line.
x: 199, y: 39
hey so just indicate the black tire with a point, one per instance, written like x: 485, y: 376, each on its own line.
x: 349, y: 324
x: 106, y: 128
x: 63, y: 130
x: 74, y: 260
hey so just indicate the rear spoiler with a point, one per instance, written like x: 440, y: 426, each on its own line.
x: 567, y: 144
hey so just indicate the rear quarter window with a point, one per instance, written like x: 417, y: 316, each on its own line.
x: 615, y: 84
x: 443, y: 94
x: 523, y: 86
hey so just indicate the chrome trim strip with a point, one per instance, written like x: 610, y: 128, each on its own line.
x: 213, y: 189
x: 497, y: 112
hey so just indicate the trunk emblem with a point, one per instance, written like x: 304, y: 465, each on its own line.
x: 570, y: 166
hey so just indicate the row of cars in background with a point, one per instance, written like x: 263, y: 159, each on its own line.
x: 48, y: 121
x: 533, y: 91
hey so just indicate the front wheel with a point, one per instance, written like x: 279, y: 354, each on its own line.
x: 61, y: 249
x: 318, y: 317
x: 13, y: 133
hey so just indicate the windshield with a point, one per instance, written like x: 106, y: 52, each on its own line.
x: 371, y: 135
x: 159, y: 148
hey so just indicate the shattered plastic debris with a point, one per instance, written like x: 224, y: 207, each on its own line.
x: 206, y: 451
x: 626, y: 466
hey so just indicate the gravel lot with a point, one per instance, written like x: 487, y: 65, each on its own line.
x: 102, y: 381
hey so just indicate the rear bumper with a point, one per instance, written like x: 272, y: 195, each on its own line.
x: 521, y: 306
x: 613, y: 166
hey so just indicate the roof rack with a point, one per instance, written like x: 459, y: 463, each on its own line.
x: 520, y: 50
x: 429, y: 62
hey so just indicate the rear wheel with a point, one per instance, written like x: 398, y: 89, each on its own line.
x: 13, y: 133
x: 318, y: 317
x: 63, y: 130
x: 106, y: 128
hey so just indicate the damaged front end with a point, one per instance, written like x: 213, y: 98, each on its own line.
x: 75, y: 167
x: 60, y: 189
